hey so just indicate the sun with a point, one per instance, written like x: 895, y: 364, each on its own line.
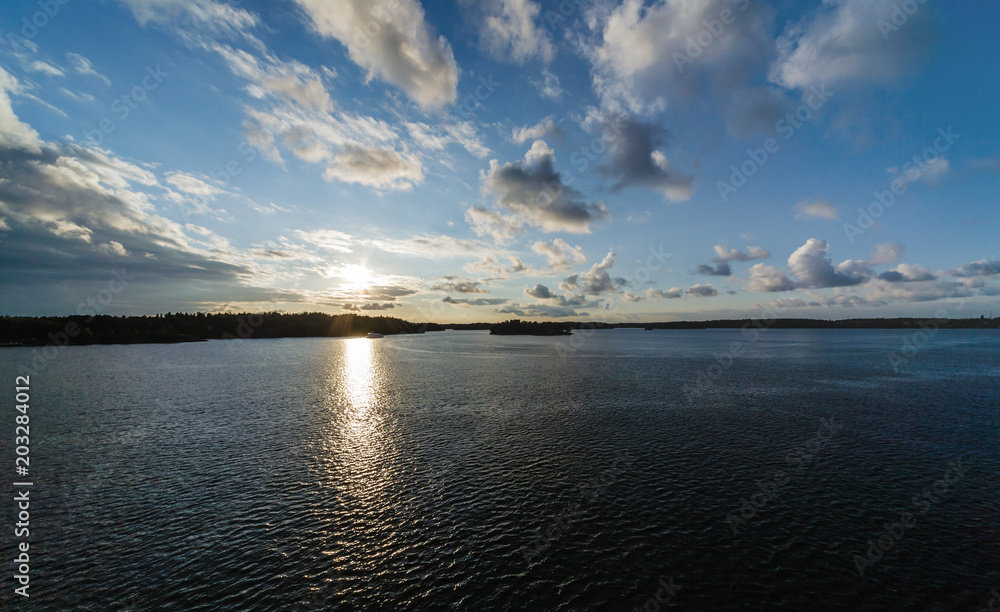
x: 357, y: 277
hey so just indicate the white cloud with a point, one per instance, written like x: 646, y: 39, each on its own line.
x: 549, y: 86
x: 436, y: 138
x: 430, y: 247
x: 670, y: 294
x: 486, y: 222
x: 374, y: 167
x: 907, y: 273
x: 192, y: 185
x: 767, y: 279
x: 113, y: 248
x: 595, y: 281
x: 45, y: 68
x: 559, y: 253
x: 208, y: 15
x: 886, y: 253
x: 14, y: 132
x: 544, y: 128
x: 724, y: 254
x: 510, y: 32
x: 647, y: 55
x: 83, y: 66
x: 332, y: 240
x: 812, y: 269
x: 815, y: 210
x: 392, y: 40
x: 846, y: 41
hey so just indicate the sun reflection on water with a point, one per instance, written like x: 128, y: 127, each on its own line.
x: 357, y: 438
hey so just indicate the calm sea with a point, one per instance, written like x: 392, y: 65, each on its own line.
x: 615, y: 470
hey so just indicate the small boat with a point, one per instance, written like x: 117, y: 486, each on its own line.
x: 374, y: 335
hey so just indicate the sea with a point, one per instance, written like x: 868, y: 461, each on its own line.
x: 624, y: 469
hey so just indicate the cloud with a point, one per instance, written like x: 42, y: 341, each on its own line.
x: 549, y: 86
x: 45, y: 68
x: 485, y: 222
x: 560, y: 255
x: 14, y: 133
x: 509, y: 31
x: 368, y: 306
x: 541, y: 311
x: 329, y: 239
x: 375, y: 167
x: 816, y: 210
x: 670, y: 294
x: 75, y: 211
x: 634, y: 160
x: 724, y: 254
x: 628, y: 296
x: 987, y: 165
x: 113, y: 248
x: 700, y: 290
x: 645, y: 56
x: 721, y: 269
x: 541, y: 292
x: 83, y: 66
x: 474, y: 301
x: 192, y: 185
x: 886, y: 253
x: 534, y: 191
x: 846, y: 41
x: 386, y: 293
x: 813, y: 269
x: 436, y: 138
x: 907, y: 273
x: 430, y: 247
x: 595, y: 281
x: 392, y: 40
x: 545, y: 127
x: 983, y: 267
x: 767, y: 279
x: 208, y: 15
x: 459, y: 287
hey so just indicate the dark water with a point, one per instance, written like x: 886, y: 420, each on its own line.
x: 460, y: 471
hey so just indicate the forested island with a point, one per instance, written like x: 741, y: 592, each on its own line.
x: 184, y: 327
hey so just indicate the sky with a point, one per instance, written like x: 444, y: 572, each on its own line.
x: 481, y: 160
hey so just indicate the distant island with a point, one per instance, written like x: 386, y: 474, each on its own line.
x: 183, y: 327
x: 516, y: 327
x: 198, y: 327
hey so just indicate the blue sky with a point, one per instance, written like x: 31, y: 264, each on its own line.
x: 477, y: 161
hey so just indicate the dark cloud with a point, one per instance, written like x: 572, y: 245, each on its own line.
x: 906, y: 273
x: 459, y: 287
x: 983, y: 267
x: 634, y: 160
x: 474, y: 301
x: 368, y: 306
x: 540, y: 292
x: 702, y: 291
x: 721, y: 269
x: 386, y: 293
x: 536, y: 194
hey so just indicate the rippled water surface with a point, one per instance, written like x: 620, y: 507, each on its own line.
x: 462, y: 471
